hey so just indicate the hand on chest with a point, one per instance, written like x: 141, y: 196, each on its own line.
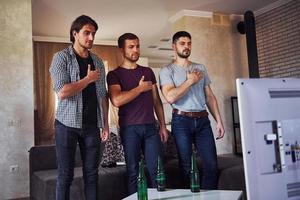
x: 132, y: 79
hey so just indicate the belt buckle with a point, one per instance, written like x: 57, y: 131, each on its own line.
x: 189, y: 114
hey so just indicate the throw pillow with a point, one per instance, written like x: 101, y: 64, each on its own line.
x: 113, y: 151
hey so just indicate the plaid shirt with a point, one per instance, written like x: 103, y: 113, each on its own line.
x: 65, y: 69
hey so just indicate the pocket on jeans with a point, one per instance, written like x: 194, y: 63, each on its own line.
x: 178, y: 118
x: 206, y: 122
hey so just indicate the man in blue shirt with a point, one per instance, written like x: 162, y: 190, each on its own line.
x: 185, y: 85
x: 78, y: 78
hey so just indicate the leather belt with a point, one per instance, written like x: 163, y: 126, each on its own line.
x: 203, y: 113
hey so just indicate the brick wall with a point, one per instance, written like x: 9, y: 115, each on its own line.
x: 278, y: 41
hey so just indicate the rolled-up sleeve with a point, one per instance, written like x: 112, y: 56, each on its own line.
x: 59, y: 73
x: 103, y: 91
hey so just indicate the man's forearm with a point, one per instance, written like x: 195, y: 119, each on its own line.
x: 70, y: 89
x: 125, y: 97
x: 177, y: 93
x: 212, y: 105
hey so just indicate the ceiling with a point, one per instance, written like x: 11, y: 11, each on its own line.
x: 149, y: 19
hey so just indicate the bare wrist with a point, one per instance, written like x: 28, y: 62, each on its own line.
x: 189, y: 82
x: 162, y: 125
x: 139, y: 89
x: 88, y: 79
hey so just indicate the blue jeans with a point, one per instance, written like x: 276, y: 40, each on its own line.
x: 197, y: 131
x: 66, y: 143
x: 137, y: 139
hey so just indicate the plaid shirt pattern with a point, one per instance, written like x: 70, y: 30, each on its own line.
x: 64, y: 69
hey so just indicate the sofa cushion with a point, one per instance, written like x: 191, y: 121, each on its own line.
x: 44, y: 158
x: 233, y: 178
x: 173, y: 175
x: 44, y: 184
x: 227, y: 161
x: 112, y: 184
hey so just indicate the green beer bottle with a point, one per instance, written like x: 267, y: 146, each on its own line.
x: 142, y: 192
x: 194, y: 179
x: 160, y: 176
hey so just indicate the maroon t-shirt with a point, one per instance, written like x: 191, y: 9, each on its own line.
x: 141, y: 109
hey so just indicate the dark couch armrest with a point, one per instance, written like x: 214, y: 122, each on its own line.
x: 42, y: 158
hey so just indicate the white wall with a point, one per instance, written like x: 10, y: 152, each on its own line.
x: 16, y: 102
x: 143, y: 61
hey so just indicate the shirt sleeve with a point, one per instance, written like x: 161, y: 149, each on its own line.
x: 103, y: 91
x: 153, y: 79
x: 112, y: 79
x: 207, y: 80
x: 59, y: 73
x: 165, y: 77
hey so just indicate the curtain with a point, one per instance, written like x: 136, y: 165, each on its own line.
x: 113, y: 58
x: 44, y: 95
x: 111, y: 54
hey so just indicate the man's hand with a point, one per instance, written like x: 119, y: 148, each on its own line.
x: 145, y: 85
x: 194, y: 76
x: 164, y: 133
x: 92, y: 75
x: 105, y: 134
x: 220, y: 130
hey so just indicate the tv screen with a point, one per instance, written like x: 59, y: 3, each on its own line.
x: 269, y: 113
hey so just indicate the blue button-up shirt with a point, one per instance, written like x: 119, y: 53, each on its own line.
x: 65, y: 69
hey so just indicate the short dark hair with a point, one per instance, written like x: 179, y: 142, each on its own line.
x: 179, y: 34
x: 79, y: 22
x: 126, y: 36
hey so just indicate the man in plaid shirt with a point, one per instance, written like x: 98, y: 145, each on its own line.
x: 78, y: 78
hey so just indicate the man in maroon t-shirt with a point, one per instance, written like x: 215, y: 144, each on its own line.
x: 132, y: 88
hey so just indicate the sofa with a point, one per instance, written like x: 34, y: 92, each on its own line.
x: 43, y: 173
x: 112, y: 180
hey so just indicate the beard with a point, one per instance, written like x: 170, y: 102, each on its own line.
x: 132, y: 58
x: 87, y: 45
x: 184, y: 54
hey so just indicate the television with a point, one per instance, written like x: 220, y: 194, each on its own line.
x: 269, y: 113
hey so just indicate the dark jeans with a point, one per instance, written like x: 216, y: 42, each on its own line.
x: 66, y: 143
x: 188, y: 131
x: 136, y: 139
